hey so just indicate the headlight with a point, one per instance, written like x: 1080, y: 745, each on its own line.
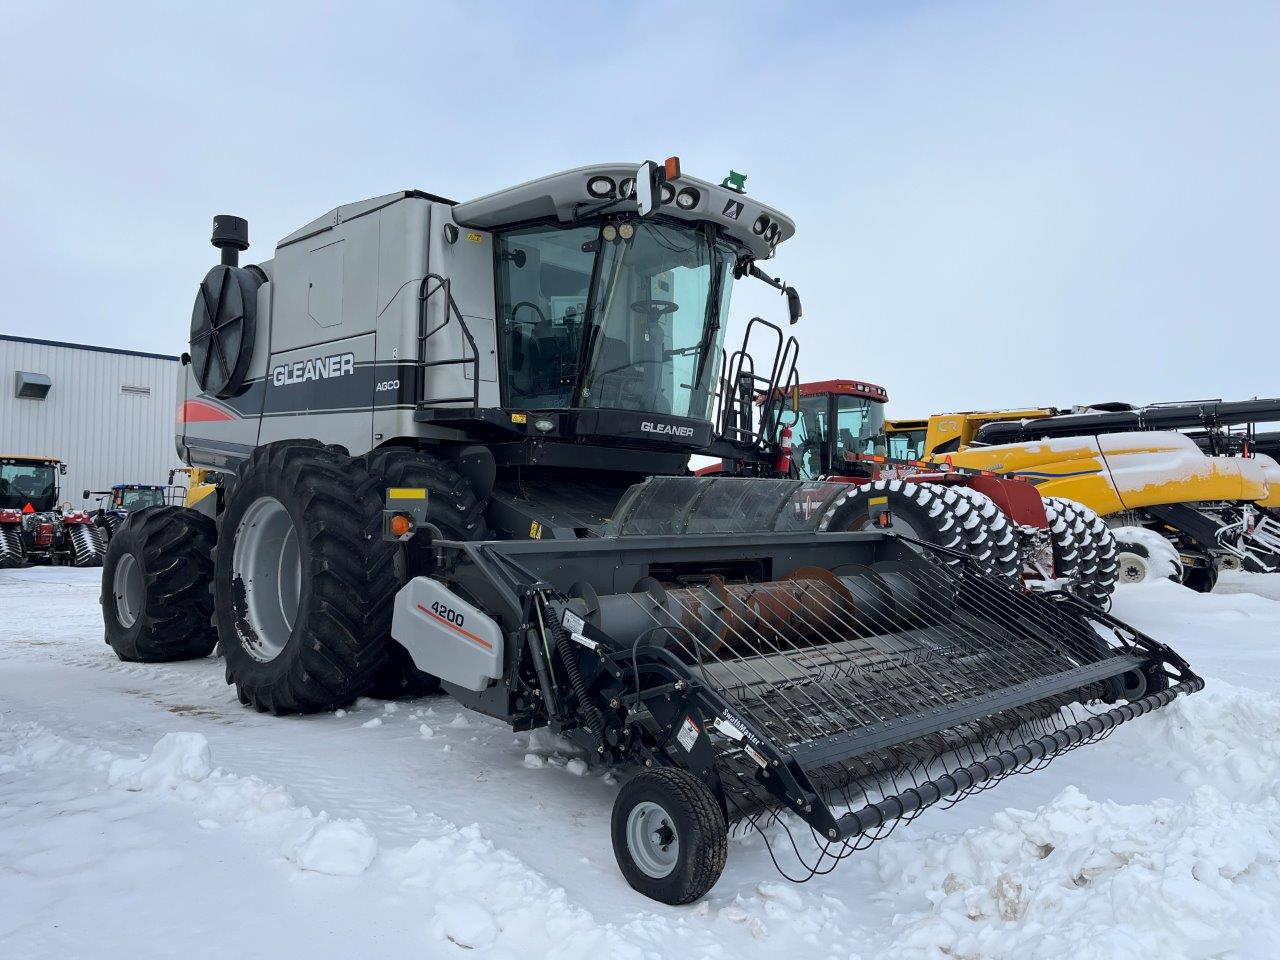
x: 600, y: 187
x: 760, y: 226
x: 626, y: 187
x: 626, y: 230
x: 610, y: 232
x: 687, y: 198
x: 771, y: 234
x: 667, y: 192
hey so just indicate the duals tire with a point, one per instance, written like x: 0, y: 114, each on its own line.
x: 87, y: 545
x: 303, y: 581
x: 12, y: 553
x: 156, y: 575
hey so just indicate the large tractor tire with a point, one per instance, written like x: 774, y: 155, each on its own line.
x: 1000, y: 558
x: 156, y: 576
x: 12, y: 553
x: 107, y: 525
x: 1098, y: 566
x: 930, y: 512
x: 453, y: 507
x: 1065, y: 530
x: 1201, y: 579
x: 87, y: 545
x: 303, y: 581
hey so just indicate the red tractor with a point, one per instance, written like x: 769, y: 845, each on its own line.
x: 834, y: 430
x: 33, y: 528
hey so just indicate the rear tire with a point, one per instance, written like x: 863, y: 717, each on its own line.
x: 303, y: 581
x: 87, y: 546
x: 452, y: 506
x: 669, y: 835
x: 12, y: 553
x: 156, y: 575
x: 107, y: 526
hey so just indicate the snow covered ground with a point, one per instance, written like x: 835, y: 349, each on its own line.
x: 144, y: 813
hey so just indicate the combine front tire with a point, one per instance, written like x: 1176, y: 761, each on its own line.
x: 998, y: 546
x: 12, y: 552
x: 303, y: 581
x: 669, y: 835
x: 87, y: 546
x: 453, y: 508
x: 155, y: 586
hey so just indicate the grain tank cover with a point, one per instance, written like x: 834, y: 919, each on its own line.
x: 609, y: 188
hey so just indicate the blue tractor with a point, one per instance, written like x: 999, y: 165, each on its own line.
x: 115, y: 505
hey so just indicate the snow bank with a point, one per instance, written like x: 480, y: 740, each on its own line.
x: 1084, y: 879
x: 1225, y: 736
x: 178, y: 758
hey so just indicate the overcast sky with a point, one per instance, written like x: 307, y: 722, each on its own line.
x: 996, y: 203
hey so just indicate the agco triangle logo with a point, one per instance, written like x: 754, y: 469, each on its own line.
x: 732, y: 209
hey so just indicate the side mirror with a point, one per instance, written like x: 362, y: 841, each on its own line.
x: 793, y: 304
x: 649, y: 180
x: 62, y: 469
x: 648, y: 188
x: 85, y: 495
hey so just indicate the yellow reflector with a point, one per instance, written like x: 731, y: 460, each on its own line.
x: 877, y: 501
x: 519, y: 418
x: 406, y: 493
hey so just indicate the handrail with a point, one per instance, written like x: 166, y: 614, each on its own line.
x: 450, y: 311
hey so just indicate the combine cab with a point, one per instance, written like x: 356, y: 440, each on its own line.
x: 453, y: 441
x: 34, y: 528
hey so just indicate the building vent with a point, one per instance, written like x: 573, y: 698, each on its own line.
x: 30, y: 386
x: 136, y: 391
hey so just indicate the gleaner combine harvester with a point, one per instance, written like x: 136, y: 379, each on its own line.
x: 454, y: 443
x: 1210, y: 492
x: 34, y: 527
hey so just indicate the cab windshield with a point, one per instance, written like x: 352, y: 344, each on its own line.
x: 628, y: 316
x: 137, y: 499
x: 21, y: 483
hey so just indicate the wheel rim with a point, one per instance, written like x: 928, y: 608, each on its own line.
x: 267, y: 560
x: 1131, y: 568
x: 127, y: 588
x: 652, y: 840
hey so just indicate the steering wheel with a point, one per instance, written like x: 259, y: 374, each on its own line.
x: 542, y: 317
x: 653, y: 309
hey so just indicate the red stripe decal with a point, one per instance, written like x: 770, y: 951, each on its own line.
x: 453, y: 626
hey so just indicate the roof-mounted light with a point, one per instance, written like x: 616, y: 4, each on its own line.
x: 760, y: 226
x: 600, y: 187
x: 688, y: 198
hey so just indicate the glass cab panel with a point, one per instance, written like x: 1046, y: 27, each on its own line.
x: 859, y: 427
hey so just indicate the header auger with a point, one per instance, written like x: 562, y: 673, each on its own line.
x: 453, y: 444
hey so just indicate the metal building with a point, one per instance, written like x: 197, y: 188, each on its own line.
x: 107, y: 414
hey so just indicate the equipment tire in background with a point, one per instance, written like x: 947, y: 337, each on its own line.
x: 87, y: 545
x: 669, y: 835
x: 1098, y: 568
x: 107, y: 526
x: 1201, y: 579
x: 12, y: 552
x: 1065, y: 529
x: 1000, y: 557
x: 1143, y: 555
x: 452, y: 506
x: 930, y: 512
x: 303, y: 581
x: 156, y: 575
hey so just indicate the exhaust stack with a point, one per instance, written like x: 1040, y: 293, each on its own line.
x: 230, y: 235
